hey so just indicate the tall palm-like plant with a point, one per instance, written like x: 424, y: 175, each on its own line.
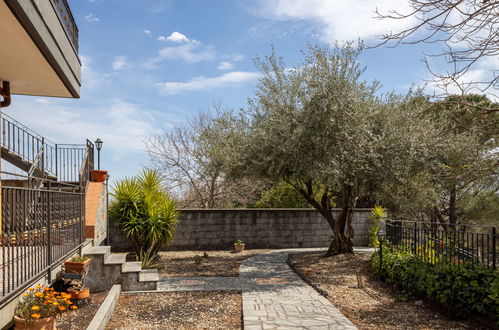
x: 143, y: 213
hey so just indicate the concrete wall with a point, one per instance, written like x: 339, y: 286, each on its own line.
x: 258, y: 228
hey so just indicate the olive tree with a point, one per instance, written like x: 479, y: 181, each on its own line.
x: 321, y: 128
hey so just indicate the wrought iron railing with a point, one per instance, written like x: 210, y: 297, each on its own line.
x: 67, y: 20
x: 61, y: 161
x: 454, y: 244
x: 40, y: 227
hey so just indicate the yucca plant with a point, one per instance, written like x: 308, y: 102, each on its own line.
x: 377, y: 215
x: 143, y: 213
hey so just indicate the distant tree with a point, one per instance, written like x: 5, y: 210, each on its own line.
x: 323, y: 130
x: 282, y: 195
x: 468, y: 30
x: 185, y: 158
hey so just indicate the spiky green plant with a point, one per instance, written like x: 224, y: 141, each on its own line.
x: 144, y: 214
x: 377, y: 215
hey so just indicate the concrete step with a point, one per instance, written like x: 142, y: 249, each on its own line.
x: 115, y: 259
x: 104, y: 251
x: 131, y: 267
x: 148, y: 275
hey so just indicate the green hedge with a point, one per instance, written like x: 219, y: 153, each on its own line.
x: 465, y: 289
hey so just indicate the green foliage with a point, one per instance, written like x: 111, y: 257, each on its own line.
x: 473, y: 290
x: 282, y: 195
x: 377, y: 215
x: 143, y: 213
x: 79, y: 259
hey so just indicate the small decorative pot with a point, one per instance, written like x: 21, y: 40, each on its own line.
x: 239, y: 247
x: 72, y: 267
x: 98, y: 175
x: 80, y: 294
x: 47, y: 323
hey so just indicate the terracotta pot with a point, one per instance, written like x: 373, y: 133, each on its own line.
x: 47, y: 323
x: 81, y: 294
x: 71, y: 267
x: 239, y: 247
x: 98, y: 175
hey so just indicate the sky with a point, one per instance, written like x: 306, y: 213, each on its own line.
x: 150, y: 64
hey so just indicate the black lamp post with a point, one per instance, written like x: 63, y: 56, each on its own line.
x: 98, y: 145
x: 381, y: 239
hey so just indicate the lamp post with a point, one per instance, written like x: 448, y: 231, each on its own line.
x: 381, y: 239
x: 98, y: 145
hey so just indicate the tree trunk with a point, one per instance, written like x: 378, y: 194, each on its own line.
x: 342, y: 241
x: 453, y: 207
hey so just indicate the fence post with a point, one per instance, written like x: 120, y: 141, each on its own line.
x: 415, y: 234
x: 494, y: 252
x: 49, y: 235
x: 56, y: 156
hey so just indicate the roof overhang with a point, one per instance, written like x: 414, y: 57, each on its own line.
x: 37, y: 54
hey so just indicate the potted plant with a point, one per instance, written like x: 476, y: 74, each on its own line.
x: 239, y: 245
x: 98, y: 175
x: 38, y: 308
x: 78, y: 291
x: 77, y: 265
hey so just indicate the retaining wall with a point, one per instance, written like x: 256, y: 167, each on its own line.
x: 258, y: 228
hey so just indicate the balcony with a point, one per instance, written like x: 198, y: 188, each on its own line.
x: 39, y: 48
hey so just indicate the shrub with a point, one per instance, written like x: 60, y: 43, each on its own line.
x: 472, y: 290
x: 143, y: 213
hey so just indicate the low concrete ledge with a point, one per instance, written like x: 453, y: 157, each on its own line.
x: 105, y: 311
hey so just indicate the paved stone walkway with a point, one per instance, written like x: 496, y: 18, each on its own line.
x: 274, y: 297
x: 172, y: 284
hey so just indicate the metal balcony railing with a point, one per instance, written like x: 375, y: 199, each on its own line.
x: 67, y: 20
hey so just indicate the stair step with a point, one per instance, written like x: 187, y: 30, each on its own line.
x: 149, y: 275
x: 94, y: 250
x: 131, y: 267
x: 115, y: 259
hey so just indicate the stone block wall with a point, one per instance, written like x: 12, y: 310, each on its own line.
x: 258, y: 228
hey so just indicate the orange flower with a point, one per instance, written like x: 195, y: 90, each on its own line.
x: 36, y: 316
x: 46, y: 289
x: 55, y: 303
x: 46, y: 302
x: 73, y: 307
x: 69, y: 302
x: 38, y: 286
x: 39, y: 294
x: 35, y: 308
x: 25, y: 294
x: 30, y: 289
x: 62, y: 308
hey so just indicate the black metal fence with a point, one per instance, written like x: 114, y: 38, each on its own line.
x: 64, y: 162
x: 40, y: 228
x: 459, y: 244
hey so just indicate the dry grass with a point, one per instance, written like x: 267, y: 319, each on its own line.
x: 81, y: 317
x: 178, y: 310
x: 368, y: 303
x: 217, y: 264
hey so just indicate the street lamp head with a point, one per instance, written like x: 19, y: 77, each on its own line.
x: 98, y: 144
x: 381, y: 235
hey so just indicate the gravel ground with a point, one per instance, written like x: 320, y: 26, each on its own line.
x: 178, y: 310
x: 217, y: 264
x: 368, y: 303
x: 81, y: 317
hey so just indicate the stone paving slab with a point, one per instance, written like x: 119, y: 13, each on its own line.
x: 274, y: 297
x: 175, y: 284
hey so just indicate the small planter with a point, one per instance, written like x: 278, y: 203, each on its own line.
x: 98, y: 175
x: 47, y: 323
x: 239, y: 247
x: 79, y: 294
x: 74, y: 267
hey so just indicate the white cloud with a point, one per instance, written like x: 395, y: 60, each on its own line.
x: 147, y: 32
x: 177, y: 37
x: 337, y: 19
x: 236, y: 78
x: 225, y: 65
x: 119, y: 63
x: 161, y: 38
x: 191, y: 52
x: 92, y: 18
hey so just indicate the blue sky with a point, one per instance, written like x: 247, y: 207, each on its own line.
x: 149, y: 64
